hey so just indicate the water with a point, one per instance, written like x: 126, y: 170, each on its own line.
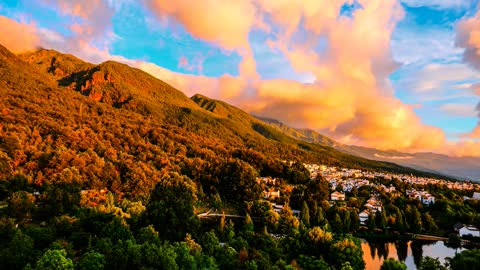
x: 409, y: 252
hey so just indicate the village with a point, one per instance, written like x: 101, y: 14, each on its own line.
x: 344, y: 180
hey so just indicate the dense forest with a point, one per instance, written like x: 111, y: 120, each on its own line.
x: 106, y: 167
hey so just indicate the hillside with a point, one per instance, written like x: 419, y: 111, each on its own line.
x: 457, y: 167
x: 119, y: 127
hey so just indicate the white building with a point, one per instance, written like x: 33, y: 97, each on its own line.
x: 469, y: 230
x: 363, y: 216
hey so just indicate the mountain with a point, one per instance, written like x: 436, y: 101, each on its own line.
x: 111, y: 125
x: 458, y: 167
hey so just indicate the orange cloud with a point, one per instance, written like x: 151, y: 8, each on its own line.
x: 225, y: 22
x: 468, y: 37
x: 18, y: 37
x: 351, y: 97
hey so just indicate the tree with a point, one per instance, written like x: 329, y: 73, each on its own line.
x: 19, y: 252
x: 288, y: 222
x: 347, y: 250
x: 54, y: 259
x: 238, y: 182
x: 305, y: 214
x: 20, y: 204
x: 171, y: 205
x: 414, y: 218
x: 248, y: 223
x: 429, y: 263
x: 63, y: 194
x: 371, y: 222
x: 319, y: 240
x: 381, y: 220
x: 392, y: 264
x: 467, y: 259
x: 355, y: 221
x: 91, y: 260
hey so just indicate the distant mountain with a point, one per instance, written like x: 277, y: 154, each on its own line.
x: 458, y: 167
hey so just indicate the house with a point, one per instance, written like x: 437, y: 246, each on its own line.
x: 423, y: 196
x: 469, y: 230
x: 337, y: 196
x: 457, y: 227
x: 363, y: 216
x: 277, y: 207
x: 373, y: 205
x: 428, y: 199
x: 271, y: 194
x: 476, y: 196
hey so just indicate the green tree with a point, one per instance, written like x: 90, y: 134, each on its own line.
x: 171, y: 205
x: 347, y: 250
x: 305, y: 214
x: 371, y: 222
x: 355, y: 221
x: 19, y: 252
x: 392, y: 264
x: 238, y: 182
x: 465, y: 260
x: 54, y: 259
x: 429, y: 263
x: 91, y: 260
x: 381, y: 220
x: 288, y: 222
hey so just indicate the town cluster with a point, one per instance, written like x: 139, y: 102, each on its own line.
x: 344, y: 180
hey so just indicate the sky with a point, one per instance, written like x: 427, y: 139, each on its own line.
x: 389, y: 74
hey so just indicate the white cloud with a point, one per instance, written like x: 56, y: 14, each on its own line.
x: 421, y: 44
x: 437, y: 78
x: 439, y: 4
x: 459, y: 109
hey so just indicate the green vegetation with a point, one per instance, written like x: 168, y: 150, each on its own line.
x: 392, y: 264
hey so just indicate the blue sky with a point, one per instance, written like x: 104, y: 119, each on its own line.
x: 420, y: 72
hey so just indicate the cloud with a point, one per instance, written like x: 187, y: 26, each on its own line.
x: 424, y: 44
x: 350, y: 97
x: 439, y: 4
x: 468, y: 37
x: 438, y: 76
x: 476, y: 89
x: 196, y: 64
x: 458, y: 109
x: 223, y: 22
x: 18, y: 37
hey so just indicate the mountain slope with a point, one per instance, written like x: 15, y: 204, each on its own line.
x: 55, y: 128
x: 460, y: 167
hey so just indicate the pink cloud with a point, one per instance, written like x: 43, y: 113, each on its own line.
x: 18, y: 37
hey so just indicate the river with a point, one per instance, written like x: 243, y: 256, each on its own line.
x: 409, y: 252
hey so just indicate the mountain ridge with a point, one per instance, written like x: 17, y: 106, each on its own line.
x: 134, y: 102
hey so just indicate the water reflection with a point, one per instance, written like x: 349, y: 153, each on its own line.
x: 410, y: 252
